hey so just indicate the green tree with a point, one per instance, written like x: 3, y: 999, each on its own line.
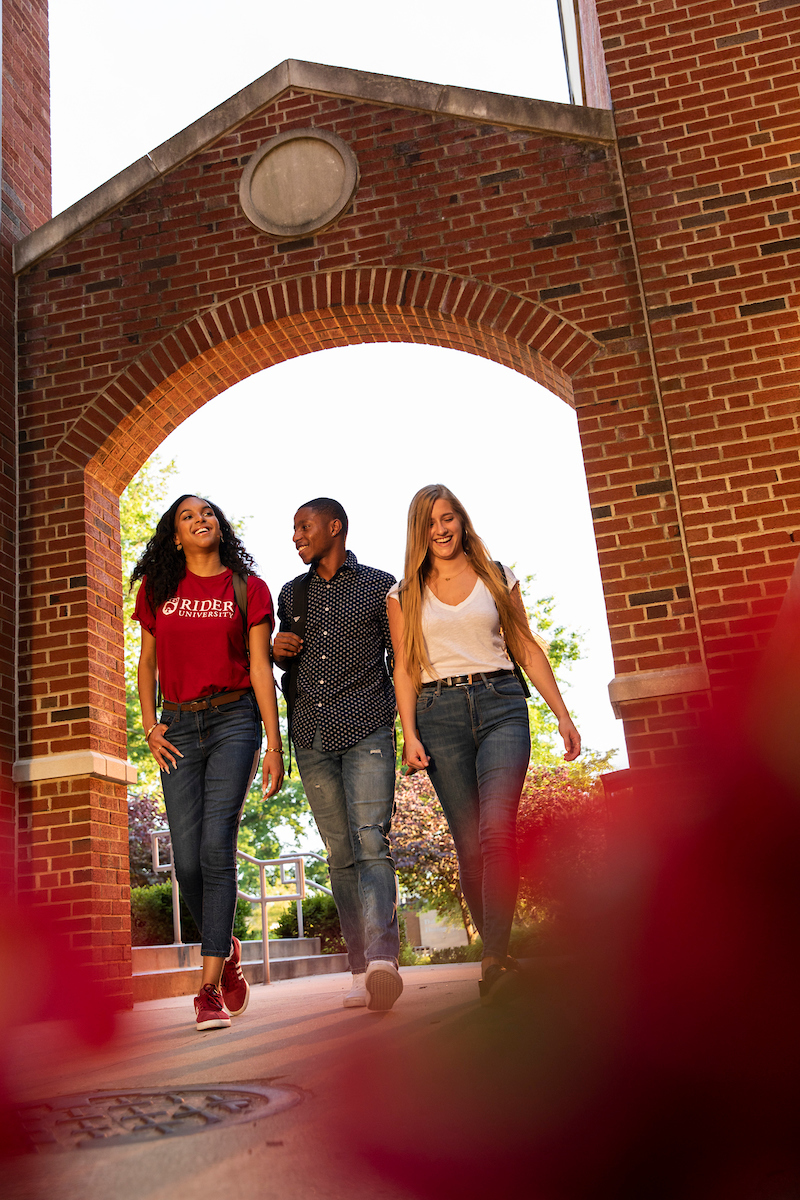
x: 563, y: 649
x: 140, y: 506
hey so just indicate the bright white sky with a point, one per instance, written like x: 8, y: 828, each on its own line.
x: 366, y: 424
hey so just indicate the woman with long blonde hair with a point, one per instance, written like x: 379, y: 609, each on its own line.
x: 457, y: 623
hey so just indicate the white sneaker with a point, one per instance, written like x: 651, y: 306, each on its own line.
x: 357, y: 996
x: 384, y: 985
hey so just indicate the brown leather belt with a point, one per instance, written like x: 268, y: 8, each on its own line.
x: 206, y: 702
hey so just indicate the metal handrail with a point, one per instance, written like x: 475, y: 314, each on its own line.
x: 294, y: 860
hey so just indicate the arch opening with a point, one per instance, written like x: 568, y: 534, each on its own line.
x: 372, y: 423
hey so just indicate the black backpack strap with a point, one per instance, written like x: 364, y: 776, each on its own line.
x: 517, y: 668
x: 291, y: 676
x: 300, y: 588
x: 240, y: 595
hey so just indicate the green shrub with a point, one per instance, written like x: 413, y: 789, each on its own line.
x: 320, y: 919
x: 407, y: 956
x: 525, y: 941
x: 529, y: 939
x: 457, y: 954
x: 151, y: 917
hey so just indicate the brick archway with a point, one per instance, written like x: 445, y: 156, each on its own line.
x: 486, y: 224
x: 219, y: 348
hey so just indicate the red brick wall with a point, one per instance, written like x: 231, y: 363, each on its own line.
x: 706, y: 105
x: 25, y: 206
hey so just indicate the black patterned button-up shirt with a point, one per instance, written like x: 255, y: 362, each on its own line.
x: 344, y: 688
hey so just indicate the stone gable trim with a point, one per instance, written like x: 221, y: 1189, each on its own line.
x: 515, y: 112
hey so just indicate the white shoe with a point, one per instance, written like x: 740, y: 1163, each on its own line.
x: 357, y: 996
x: 384, y: 985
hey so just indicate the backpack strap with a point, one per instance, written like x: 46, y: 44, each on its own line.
x: 517, y: 668
x: 300, y: 587
x: 240, y: 595
x: 291, y: 676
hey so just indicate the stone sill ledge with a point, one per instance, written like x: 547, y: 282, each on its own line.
x: 650, y: 685
x: 74, y: 762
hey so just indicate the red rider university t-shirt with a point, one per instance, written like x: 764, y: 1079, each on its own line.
x: 200, y: 646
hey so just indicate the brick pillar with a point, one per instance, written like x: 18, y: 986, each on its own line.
x: 25, y: 206
x: 71, y: 769
x: 705, y: 105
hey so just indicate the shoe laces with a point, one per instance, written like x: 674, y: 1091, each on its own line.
x: 211, y: 997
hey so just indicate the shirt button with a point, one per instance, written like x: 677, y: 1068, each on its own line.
x: 322, y: 680
x: 327, y: 610
x: 324, y: 633
x: 324, y: 657
x: 319, y: 705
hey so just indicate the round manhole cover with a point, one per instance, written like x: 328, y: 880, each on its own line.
x: 153, y: 1114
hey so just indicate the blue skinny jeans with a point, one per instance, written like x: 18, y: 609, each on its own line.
x: 479, y: 743
x: 204, y: 797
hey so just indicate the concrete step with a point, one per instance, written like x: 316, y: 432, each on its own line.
x: 181, y: 971
x: 170, y: 958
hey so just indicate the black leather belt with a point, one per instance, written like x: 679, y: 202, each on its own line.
x: 206, y: 702
x: 465, y: 680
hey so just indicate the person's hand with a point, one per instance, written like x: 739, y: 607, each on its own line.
x: 272, y: 772
x: 163, y: 751
x: 414, y: 753
x: 287, y: 645
x: 572, y: 739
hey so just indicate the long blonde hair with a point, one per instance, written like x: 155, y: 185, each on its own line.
x: 515, y: 629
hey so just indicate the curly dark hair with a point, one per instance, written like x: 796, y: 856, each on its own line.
x: 163, y: 566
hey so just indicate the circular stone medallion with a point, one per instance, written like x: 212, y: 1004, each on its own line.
x: 298, y: 182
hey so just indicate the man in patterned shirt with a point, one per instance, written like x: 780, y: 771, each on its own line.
x: 343, y: 734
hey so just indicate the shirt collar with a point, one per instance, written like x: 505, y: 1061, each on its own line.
x: 350, y: 563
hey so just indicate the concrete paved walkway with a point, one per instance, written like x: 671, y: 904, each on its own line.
x: 294, y: 1034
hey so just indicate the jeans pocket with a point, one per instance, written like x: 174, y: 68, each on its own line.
x: 167, y: 718
x: 425, y: 700
x: 510, y: 687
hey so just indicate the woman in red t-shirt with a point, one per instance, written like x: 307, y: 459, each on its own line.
x: 207, y: 740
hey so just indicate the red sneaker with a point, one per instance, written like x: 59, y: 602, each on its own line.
x: 210, y: 1010
x: 235, y: 988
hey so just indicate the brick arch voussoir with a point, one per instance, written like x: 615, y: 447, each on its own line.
x: 213, y: 350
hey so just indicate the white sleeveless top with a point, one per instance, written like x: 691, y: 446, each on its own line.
x: 465, y: 638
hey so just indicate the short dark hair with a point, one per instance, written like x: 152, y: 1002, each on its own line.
x: 329, y: 508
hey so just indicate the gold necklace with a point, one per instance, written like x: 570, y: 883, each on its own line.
x: 447, y: 578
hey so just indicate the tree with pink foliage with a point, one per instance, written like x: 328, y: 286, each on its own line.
x: 423, y: 849
x: 560, y: 833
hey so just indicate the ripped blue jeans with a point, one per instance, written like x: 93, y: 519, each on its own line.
x: 351, y: 794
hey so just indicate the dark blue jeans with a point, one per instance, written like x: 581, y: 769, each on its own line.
x: 351, y: 794
x: 479, y: 743
x: 204, y: 796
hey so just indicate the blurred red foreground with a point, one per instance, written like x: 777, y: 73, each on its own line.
x: 657, y: 1054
